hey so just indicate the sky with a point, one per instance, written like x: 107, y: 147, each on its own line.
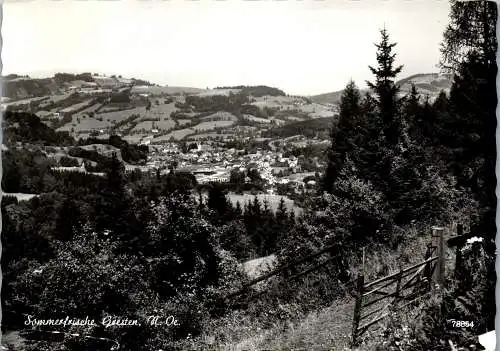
x: 304, y: 47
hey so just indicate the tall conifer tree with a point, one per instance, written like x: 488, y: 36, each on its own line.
x: 385, y: 88
x: 343, y: 133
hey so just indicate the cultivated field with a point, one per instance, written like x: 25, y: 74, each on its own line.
x: 118, y: 116
x: 165, y: 125
x: 294, y: 119
x: 220, y: 116
x: 88, y: 110
x: 176, y: 134
x: 146, y: 125
x: 162, y: 110
x: 86, y: 124
x: 76, y: 106
x: 183, y: 121
x: 224, y: 92
x: 212, y: 125
x: 155, y: 90
x: 132, y: 139
x: 316, y: 110
x: 256, y: 119
x: 149, y: 125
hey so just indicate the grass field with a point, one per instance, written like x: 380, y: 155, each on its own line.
x: 256, y: 119
x: 183, y: 121
x: 220, y: 116
x: 316, y: 110
x: 86, y: 124
x: 224, y: 92
x: 76, y: 106
x: 176, y: 134
x: 212, y: 125
x: 165, y: 125
x: 276, y: 101
x: 147, y: 125
x: 133, y: 139
x: 155, y: 90
x: 294, y: 119
x: 274, y: 201
x: 89, y: 109
x: 57, y: 98
x: 162, y: 110
x: 121, y: 115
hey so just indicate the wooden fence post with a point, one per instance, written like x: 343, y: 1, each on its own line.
x: 428, y: 267
x: 438, y: 238
x: 357, y: 308
x: 458, y: 252
x: 398, y: 284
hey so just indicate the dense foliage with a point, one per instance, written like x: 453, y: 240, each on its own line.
x: 27, y: 128
x: 61, y: 78
x: 25, y: 88
x: 317, y: 127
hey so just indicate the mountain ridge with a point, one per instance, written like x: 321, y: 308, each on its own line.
x: 426, y: 83
x: 17, y: 87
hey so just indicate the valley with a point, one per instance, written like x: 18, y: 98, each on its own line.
x: 209, y: 132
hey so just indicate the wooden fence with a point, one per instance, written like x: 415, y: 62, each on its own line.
x: 289, y: 271
x: 377, y: 299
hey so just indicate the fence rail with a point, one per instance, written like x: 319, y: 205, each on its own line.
x: 288, y: 267
x: 405, y: 287
x: 399, y: 290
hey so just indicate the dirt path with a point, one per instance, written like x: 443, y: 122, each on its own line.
x: 327, y: 329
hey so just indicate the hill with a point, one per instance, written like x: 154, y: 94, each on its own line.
x: 89, y: 105
x: 27, y: 128
x: 330, y: 98
x: 257, y: 91
x: 21, y: 87
x: 426, y: 83
x: 16, y: 87
x: 165, y: 90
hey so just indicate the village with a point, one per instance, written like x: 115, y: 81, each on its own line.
x: 210, y: 162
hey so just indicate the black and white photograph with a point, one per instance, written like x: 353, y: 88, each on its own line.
x: 248, y: 175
